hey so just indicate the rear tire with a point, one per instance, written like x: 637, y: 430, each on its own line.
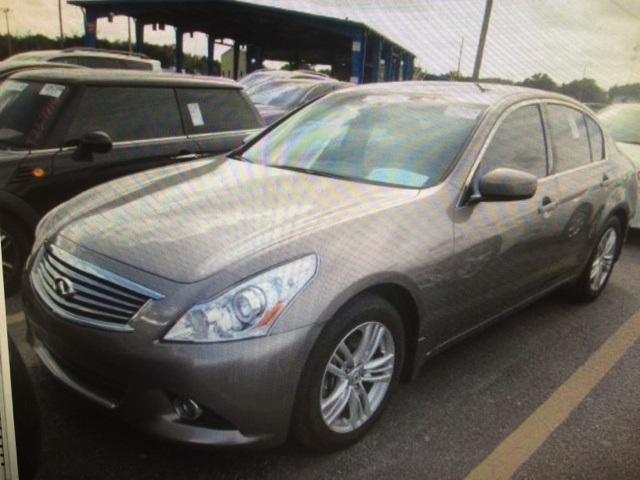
x: 350, y: 375
x: 596, y: 274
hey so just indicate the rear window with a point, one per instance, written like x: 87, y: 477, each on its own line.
x: 28, y: 110
x: 127, y: 113
x: 215, y: 110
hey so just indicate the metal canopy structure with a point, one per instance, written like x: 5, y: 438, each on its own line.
x: 353, y: 49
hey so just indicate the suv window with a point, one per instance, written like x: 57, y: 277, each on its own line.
x: 28, y: 110
x: 127, y: 113
x: 221, y: 110
x: 569, y: 138
x: 518, y: 143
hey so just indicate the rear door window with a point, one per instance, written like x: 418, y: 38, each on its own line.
x: 127, y: 113
x: 215, y: 110
x: 569, y: 138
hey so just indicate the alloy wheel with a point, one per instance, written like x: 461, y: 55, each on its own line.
x: 603, y: 260
x: 357, y: 377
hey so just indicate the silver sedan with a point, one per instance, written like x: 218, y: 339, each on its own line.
x: 284, y: 291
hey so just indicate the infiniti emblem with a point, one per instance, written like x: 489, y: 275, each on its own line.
x: 64, y: 288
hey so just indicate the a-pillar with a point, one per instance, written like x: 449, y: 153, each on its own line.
x: 179, y: 50
x: 90, y: 28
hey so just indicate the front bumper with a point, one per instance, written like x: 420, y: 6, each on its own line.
x: 246, y: 389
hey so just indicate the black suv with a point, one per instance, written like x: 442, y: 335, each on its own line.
x: 64, y: 131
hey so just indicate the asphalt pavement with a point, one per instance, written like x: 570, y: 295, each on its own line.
x: 550, y: 393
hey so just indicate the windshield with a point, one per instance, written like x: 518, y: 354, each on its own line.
x: 407, y: 140
x: 623, y: 120
x: 28, y: 111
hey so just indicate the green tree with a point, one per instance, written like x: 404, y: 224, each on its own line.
x: 586, y: 90
x: 630, y: 91
x: 541, y: 81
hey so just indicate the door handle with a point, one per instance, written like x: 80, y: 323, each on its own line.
x: 185, y: 157
x: 605, y: 180
x: 547, y: 206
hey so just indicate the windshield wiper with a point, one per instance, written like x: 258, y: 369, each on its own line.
x: 309, y: 171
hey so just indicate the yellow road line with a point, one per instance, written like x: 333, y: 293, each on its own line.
x: 15, y: 318
x: 521, y: 444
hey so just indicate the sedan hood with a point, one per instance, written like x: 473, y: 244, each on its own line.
x: 186, y: 222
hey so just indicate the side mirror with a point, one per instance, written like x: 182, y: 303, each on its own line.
x: 90, y: 143
x: 506, y: 184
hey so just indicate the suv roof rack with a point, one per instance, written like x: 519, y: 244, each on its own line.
x: 104, y: 50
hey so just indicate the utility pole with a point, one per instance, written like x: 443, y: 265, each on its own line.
x: 6, y: 16
x: 483, y: 38
x: 60, y: 17
x: 460, y: 58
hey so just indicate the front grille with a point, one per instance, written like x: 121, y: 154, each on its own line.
x: 81, y: 292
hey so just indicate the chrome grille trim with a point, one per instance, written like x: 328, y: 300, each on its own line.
x: 98, y: 297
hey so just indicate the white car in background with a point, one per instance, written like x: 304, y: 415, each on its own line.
x: 623, y: 121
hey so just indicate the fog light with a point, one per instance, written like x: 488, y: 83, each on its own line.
x: 187, y: 409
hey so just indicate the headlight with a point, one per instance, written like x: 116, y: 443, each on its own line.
x: 247, y: 310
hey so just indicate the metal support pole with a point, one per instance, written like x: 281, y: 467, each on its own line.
x: 483, y: 38
x: 377, y: 55
x: 90, y: 28
x: 358, y: 54
x: 179, y: 50
x: 211, y: 41
x: 139, y: 36
x: 388, y: 63
x: 236, y: 59
x: 6, y: 16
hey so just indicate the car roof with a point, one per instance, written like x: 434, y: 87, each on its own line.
x: 467, y: 92
x: 115, y: 77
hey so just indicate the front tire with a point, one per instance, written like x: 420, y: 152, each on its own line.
x: 351, y: 373
x: 600, y: 265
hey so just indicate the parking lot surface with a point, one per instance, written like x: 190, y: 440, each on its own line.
x: 550, y: 393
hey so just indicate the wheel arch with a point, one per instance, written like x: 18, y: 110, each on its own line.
x: 403, y: 301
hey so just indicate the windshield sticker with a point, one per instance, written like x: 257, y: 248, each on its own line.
x: 196, y: 114
x: 462, y: 112
x: 51, y: 90
x: 14, y: 86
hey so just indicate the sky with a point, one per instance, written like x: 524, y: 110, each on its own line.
x: 567, y: 39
